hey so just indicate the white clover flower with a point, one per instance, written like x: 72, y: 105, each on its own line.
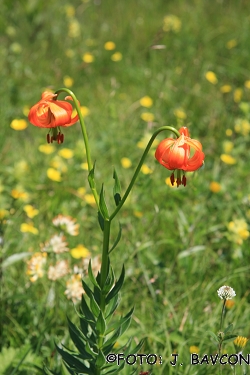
x: 60, y: 269
x: 74, y: 288
x: 226, y: 292
x: 67, y: 223
x: 57, y: 244
x: 36, y: 266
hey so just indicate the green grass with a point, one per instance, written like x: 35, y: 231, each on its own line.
x: 181, y: 241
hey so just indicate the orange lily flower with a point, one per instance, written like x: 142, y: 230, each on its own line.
x: 175, y: 154
x: 52, y: 113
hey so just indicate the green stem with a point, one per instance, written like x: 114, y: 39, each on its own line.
x: 140, y: 165
x: 85, y: 137
x: 222, y: 314
x: 105, y: 259
x: 221, y: 325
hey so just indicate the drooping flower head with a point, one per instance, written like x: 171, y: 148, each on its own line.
x: 175, y: 154
x: 226, y: 292
x: 53, y: 114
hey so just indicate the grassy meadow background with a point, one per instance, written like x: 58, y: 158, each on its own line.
x: 192, y: 58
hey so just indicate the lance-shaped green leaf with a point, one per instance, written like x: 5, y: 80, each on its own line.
x: 100, y: 221
x: 74, y: 361
x: 213, y: 335
x: 229, y: 328
x: 78, y: 339
x: 117, y: 286
x: 87, y: 289
x: 86, y: 311
x: 117, y: 239
x: 101, y: 324
x: 94, y: 306
x: 114, y: 368
x: 49, y: 372
x: 128, y: 350
x: 91, y: 177
x: 228, y: 338
x: 120, y: 323
x: 91, y: 276
x: 116, y: 188
x: 112, y: 340
x: 68, y: 369
x: 88, y: 330
x: 91, y: 351
x: 109, y: 282
x: 103, y: 206
x: 113, y: 304
x: 101, y: 360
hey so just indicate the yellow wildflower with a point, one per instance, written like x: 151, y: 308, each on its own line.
x: 18, y: 124
x: 147, y: 116
x: 171, y: 23
x: 58, y: 163
x: 215, y: 187
x: 85, y: 166
x: 19, y: 194
x: 47, y: 148
x: 81, y: 191
x: 89, y: 199
x: 168, y: 182
x: 126, y: 163
x: 231, y: 43
x: 26, y: 110
x: 227, y: 146
x: 242, y: 126
x: 30, y: 211
x: 238, y: 93
x: 228, y: 159
x: 138, y: 214
x: 240, y: 342
x: 109, y: 46
x: 117, y: 56
x: 84, y: 111
x: 144, y: 141
x: 54, y: 175
x: 211, y: 77
x: 146, y: 101
x: 80, y: 251
x: 238, y: 231
x: 70, y: 11
x: 68, y: 81
x: 247, y: 84
x: 229, y: 303
x: 88, y: 58
x: 194, y: 349
x: 225, y: 89
x: 180, y: 113
x: 229, y: 132
x: 16, y: 47
x: 3, y: 213
x: 28, y: 228
x: 145, y: 169
x: 70, y: 53
x: 74, y: 28
x: 66, y: 153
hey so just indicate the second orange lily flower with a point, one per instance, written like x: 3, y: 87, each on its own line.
x: 174, y: 154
